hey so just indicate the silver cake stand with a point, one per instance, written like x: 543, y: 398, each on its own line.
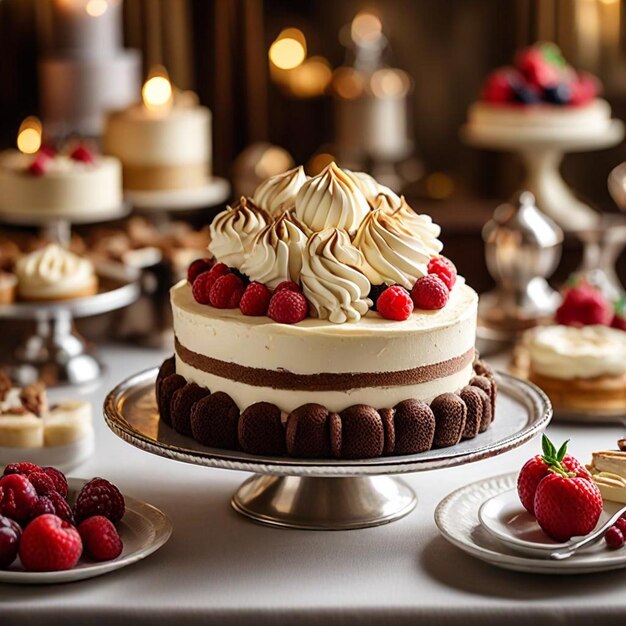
x: 56, y: 352
x: 323, y: 494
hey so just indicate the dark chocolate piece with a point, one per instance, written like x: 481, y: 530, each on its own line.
x: 214, y: 421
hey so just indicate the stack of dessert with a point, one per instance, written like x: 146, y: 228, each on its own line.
x: 353, y: 336
x: 580, y: 361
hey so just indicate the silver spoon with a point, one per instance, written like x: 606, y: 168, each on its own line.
x: 588, y: 540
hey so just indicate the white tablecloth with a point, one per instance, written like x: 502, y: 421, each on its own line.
x: 219, y: 568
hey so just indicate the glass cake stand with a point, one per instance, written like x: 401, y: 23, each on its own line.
x: 55, y: 352
x: 323, y: 494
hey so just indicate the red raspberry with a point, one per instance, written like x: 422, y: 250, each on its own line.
x: 536, y: 67
x: 99, y: 497
x: 18, y: 497
x: 614, y: 538
x: 621, y: 524
x: 584, y: 305
x: 429, y: 293
x: 498, y: 87
x: 444, y: 268
x: 585, y: 87
x: 61, y: 508
x: 100, y: 538
x: 58, y: 478
x: 49, y: 544
x: 39, y: 165
x: 395, y: 303
x: 226, y: 292
x: 201, y: 288
x: 21, y: 468
x: 47, y: 150
x: 197, y: 267
x: 42, y: 483
x: 255, y: 299
x: 288, y: 307
x: 289, y: 285
x: 81, y: 153
x: 44, y: 506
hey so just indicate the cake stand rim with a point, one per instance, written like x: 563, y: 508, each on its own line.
x: 214, y: 192
x: 26, y: 218
x: 528, y: 393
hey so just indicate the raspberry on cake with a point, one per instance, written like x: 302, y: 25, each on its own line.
x: 354, y: 339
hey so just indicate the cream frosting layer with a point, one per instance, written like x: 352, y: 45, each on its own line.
x: 67, y: 188
x: 332, y: 277
x: 53, y: 272
x: 566, y: 352
x: 140, y: 137
x: 278, y: 193
x: 331, y: 200
x: 380, y: 397
x: 371, y: 188
x: 372, y: 344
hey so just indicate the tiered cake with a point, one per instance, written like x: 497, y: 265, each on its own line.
x: 354, y: 339
x: 86, y: 72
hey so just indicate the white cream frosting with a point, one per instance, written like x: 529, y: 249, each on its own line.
x: 276, y: 252
x: 332, y: 277
x: 53, y: 271
x: 278, y: 193
x: 331, y: 200
x: 233, y: 230
x: 371, y: 188
x: 396, y: 249
x: 566, y: 352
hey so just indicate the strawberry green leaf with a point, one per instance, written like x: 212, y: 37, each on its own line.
x: 560, y: 455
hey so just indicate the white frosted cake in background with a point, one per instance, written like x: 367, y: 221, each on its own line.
x: 329, y: 325
x: 56, y: 185
x: 162, y: 149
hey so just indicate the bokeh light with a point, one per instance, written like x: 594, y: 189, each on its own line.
x: 288, y: 50
x: 157, y: 90
x: 96, y: 8
x: 311, y: 78
x: 348, y: 83
x: 29, y: 136
x: 365, y: 29
x: 388, y: 83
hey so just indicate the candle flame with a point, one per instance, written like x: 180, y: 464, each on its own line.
x: 29, y: 135
x: 157, y: 90
x: 96, y: 8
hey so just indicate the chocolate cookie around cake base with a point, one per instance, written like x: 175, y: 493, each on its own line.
x: 312, y: 431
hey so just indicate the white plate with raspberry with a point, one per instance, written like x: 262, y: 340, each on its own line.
x: 143, y: 529
x: 457, y: 518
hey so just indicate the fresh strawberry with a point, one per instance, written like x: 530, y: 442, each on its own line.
x: 444, y: 268
x: 226, y: 292
x: 537, y: 468
x: 583, y: 305
x: 567, y: 505
x: 255, y: 300
x: 288, y: 307
x: 197, y: 267
x: 395, y: 303
x: 49, y: 544
x: 429, y: 293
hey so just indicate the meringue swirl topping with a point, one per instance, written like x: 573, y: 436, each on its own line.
x: 371, y: 188
x: 276, y: 253
x: 396, y: 245
x: 331, y: 200
x: 278, y: 193
x: 233, y: 230
x: 332, y: 279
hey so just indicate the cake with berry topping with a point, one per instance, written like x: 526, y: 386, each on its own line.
x: 73, y: 183
x: 541, y: 97
x: 327, y: 325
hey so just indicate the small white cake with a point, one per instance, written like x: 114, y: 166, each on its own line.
x: 65, y: 188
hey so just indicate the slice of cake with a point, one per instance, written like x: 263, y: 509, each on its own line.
x: 329, y: 326
x: 608, y: 469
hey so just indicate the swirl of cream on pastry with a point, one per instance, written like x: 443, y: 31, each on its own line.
x: 332, y: 279
x: 276, y: 252
x: 396, y: 246
x: 53, y: 272
x: 331, y: 200
x: 279, y: 192
x: 371, y: 188
x: 233, y: 230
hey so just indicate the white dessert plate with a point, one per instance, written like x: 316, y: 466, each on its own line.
x: 457, y: 519
x: 214, y: 192
x: 506, y: 519
x: 143, y: 529
x: 64, y: 457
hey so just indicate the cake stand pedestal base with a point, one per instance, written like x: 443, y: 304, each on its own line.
x: 341, y: 503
